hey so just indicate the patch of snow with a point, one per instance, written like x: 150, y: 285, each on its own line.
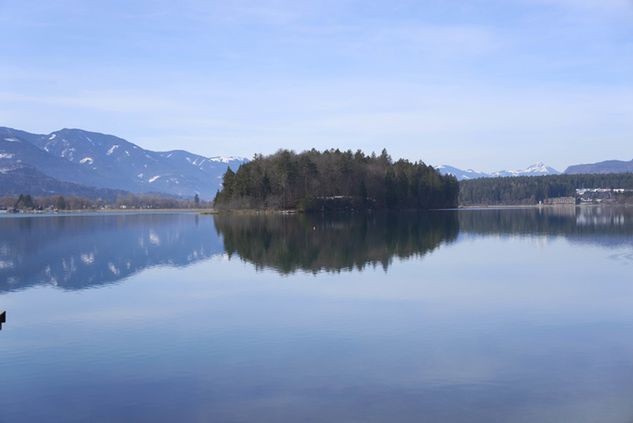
x: 140, y: 176
x: 6, y: 155
x: 11, y: 139
x: 52, y: 137
x: 225, y: 159
x: 113, y: 269
x: 153, y: 178
x: 88, y: 160
x: 127, y: 153
x: 88, y: 258
x: 111, y: 150
x: 68, y: 152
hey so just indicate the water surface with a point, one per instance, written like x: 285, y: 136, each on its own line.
x: 471, y: 316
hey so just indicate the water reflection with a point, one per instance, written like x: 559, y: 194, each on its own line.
x: 75, y: 252
x: 316, y: 243
x: 493, y: 327
x: 605, y: 226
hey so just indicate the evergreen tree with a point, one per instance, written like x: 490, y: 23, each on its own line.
x: 60, y: 203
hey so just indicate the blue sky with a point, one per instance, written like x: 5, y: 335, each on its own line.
x: 487, y: 84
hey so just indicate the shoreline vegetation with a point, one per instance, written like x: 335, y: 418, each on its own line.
x: 334, y: 180
x: 69, y: 203
x: 615, y: 188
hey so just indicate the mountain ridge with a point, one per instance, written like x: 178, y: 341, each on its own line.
x: 606, y: 166
x: 27, y: 180
x: 100, y: 160
x: 537, y: 169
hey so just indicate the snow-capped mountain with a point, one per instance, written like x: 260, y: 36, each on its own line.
x: 538, y: 169
x: 107, y: 161
x: 461, y: 174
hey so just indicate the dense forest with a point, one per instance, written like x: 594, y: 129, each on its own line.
x: 532, y: 189
x: 335, y: 180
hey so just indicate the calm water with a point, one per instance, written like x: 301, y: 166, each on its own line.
x: 470, y: 316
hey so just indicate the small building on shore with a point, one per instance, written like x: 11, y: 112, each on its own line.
x: 556, y: 201
x: 603, y: 195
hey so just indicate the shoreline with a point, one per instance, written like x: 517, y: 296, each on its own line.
x: 4, y: 213
x: 211, y: 212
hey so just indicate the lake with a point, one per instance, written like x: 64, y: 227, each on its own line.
x: 512, y: 315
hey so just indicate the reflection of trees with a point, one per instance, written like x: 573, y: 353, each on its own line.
x: 333, y: 243
x: 596, y: 225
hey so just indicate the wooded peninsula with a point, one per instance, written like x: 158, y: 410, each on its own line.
x: 335, y: 180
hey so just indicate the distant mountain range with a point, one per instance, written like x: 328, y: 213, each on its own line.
x: 538, y: 169
x: 94, y: 165
x: 609, y: 166
x: 74, y: 161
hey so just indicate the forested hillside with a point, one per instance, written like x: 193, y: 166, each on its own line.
x: 334, y: 180
x: 532, y: 189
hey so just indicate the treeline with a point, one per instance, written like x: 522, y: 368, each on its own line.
x: 334, y: 179
x: 130, y: 201
x: 533, y: 189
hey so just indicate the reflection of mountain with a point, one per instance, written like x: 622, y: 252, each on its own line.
x: 75, y: 252
x: 606, y: 226
x: 314, y: 243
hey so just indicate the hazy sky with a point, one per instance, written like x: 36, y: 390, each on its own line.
x: 487, y: 84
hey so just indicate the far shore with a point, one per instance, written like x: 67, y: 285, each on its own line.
x: 206, y: 211
x: 105, y: 211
